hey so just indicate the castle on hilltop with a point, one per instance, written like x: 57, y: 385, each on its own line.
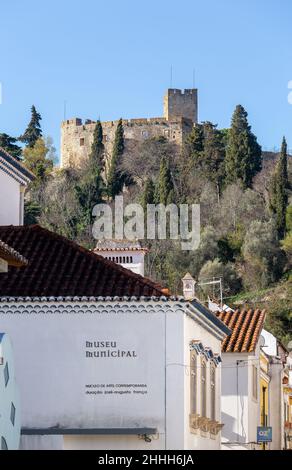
x: 179, y: 116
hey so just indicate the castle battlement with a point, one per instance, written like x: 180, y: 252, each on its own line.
x: 186, y: 91
x: 89, y: 123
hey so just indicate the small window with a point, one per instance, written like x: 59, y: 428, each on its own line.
x: 213, y: 392
x: 255, y: 382
x: 81, y: 142
x: 131, y: 259
x: 6, y: 374
x: 12, y: 414
x: 194, y: 376
x: 4, y: 445
x: 203, y: 389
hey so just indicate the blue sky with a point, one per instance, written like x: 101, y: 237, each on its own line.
x: 112, y: 59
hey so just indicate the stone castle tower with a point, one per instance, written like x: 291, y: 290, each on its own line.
x: 180, y: 115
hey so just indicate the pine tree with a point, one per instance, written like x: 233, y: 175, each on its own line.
x: 33, y: 131
x: 8, y: 143
x: 116, y: 178
x: 165, y: 185
x: 243, y: 154
x: 97, y: 148
x: 278, y: 191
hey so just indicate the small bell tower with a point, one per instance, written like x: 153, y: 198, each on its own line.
x: 189, y: 285
x: 127, y: 253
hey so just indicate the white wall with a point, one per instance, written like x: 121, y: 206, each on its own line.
x: 11, y: 212
x: 50, y: 346
x: 137, y: 265
x: 8, y: 395
x: 239, y: 410
x: 194, y: 331
x: 276, y: 405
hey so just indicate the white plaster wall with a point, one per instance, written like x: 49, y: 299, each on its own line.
x: 237, y: 407
x: 254, y: 413
x: 137, y: 265
x: 8, y: 394
x: 174, y: 438
x: 41, y: 443
x: 275, y: 406
x: 52, y: 372
x: 194, y: 331
x: 10, y: 211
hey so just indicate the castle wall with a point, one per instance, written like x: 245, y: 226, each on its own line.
x: 180, y: 114
x: 77, y: 137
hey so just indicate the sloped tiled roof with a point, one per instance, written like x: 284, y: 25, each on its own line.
x: 119, y: 245
x: 11, y: 256
x: 60, y: 267
x: 246, y: 327
x: 14, y: 168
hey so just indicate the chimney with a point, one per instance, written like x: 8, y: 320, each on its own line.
x: 189, y: 284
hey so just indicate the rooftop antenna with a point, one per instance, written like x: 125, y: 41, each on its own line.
x: 193, y: 78
x: 65, y: 109
x: 171, y: 76
x: 213, y: 282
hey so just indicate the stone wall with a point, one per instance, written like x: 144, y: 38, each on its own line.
x: 180, y: 114
x: 77, y: 137
x: 181, y: 103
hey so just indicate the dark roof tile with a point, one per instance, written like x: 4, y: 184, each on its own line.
x: 60, y: 267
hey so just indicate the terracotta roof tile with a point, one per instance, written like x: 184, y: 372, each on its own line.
x: 246, y: 328
x: 60, y: 267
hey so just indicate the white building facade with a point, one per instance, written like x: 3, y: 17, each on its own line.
x: 240, y: 400
x: 116, y: 373
x: 126, y: 253
x: 9, y: 398
x: 14, y: 178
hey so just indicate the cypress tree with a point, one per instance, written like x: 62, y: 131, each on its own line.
x: 210, y: 161
x: 243, y: 154
x: 148, y: 194
x: 33, y: 131
x: 8, y: 143
x: 97, y: 148
x: 115, y: 178
x: 284, y: 163
x: 278, y: 191
x: 165, y: 185
x: 89, y: 192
